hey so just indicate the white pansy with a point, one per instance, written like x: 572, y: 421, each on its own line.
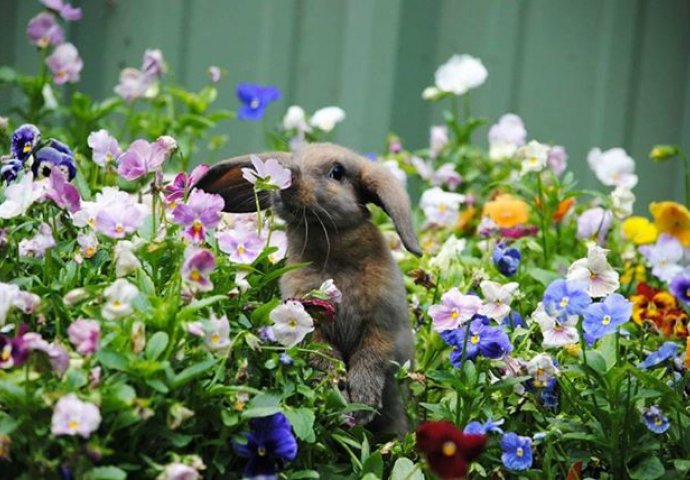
x: 556, y: 333
x: 613, y: 168
x: 533, y: 157
x: 18, y: 198
x: 449, y: 253
x: 119, y: 298
x: 441, y: 208
x: 622, y: 201
x: 327, y: 118
x: 542, y: 368
x: 296, y: 119
x: 595, y: 271
x: 497, y: 299
x: 460, y: 74
x: 126, y: 261
x: 291, y: 323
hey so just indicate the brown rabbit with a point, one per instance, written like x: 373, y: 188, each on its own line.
x: 328, y: 227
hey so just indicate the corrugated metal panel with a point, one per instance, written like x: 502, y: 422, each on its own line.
x: 582, y: 74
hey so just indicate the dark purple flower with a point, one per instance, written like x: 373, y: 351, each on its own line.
x: 507, y: 260
x: 14, y: 351
x: 49, y: 157
x: 269, y: 445
x: 200, y: 213
x: 255, y: 99
x: 680, y: 288
x: 24, y: 140
x: 491, y: 342
x: 177, y: 190
x: 43, y: 30
x: 10, y: 169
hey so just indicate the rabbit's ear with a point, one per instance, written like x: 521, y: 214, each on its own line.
x: 225, y: 178
x: 383, y: 189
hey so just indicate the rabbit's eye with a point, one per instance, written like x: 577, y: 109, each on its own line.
x: 337, y: 172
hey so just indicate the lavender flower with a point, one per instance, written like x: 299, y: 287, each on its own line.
x: 105, y: 147
x: 665, y: 257
x: 200, y: 213
x: 242, y: 245
x: 65, y: 63
x: 680, y: 287
x: 133, y: 84
x: 558, y: 159
x: 214, y: 73
x: 454, y: 310
x: 270, y: 173
x: 255, y: 99
x: 85, y: 336
x: 43, y: 30
x: 141, y: 158
x: 38, y: 244
x: 594, y: 223
x: 196, y: 269
x: 153, y: 64
x: 66, y: 11
x: 72, y: 416
x: 64, y: 194
x: 24, y: 140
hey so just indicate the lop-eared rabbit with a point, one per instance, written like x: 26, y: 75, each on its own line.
x: 328, y: 227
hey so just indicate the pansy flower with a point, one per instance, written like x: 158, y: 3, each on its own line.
x: 85, y: 336
x: 177, y: 190
x: 142, y: 158
x: 566, y: 297
x: 517, y: 451
x: 14, y: 351
x: 639, y: 230
x: 61, y: 192
x: 490, y: 342
x: 216, y: 332
x: 196, y: 269
x: 291, y: 323
x: 72, y: 416
x: 665, y: 257
x: 325, y: 119
x: 119, y: 296
x: 533, y: 157
x: 479, y: 428
x: 24, y: 140
x: 507, y: 211
x: 441, y: 208
x: 269, y: 173
x: 255, y: 99
x: 594, y: 224
x: 66, y: 11
x: 557, y: 329
x: 460, y: 74
x: 241, y: 244
x: 104, y: 147
x: 595, y: 271
x: 448, y: 450
x: 655, y: 420
x: 680, y: 287
x: 505, y: 136
x: 200, y: 213
x: 454, y: 310
x: 666, y: 351
x: 497, y: 299
x: 660, y: 309
x: 506, y: 260
x: 672, y: 218
x: 269, y: 445
x: 56, y: 155
x: 604, y: 318
x: 542, y: 368
x: 613, y: 167
x: 65, y: 63
x: 43, y: 30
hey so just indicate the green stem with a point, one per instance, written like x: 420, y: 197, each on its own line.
x: 258, y: 212
x: 542, y: 218
x: 686, y: 169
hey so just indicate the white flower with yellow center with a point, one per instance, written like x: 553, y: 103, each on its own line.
x: 533, y: 156
x: 291, y: 323
x: 119, y: 297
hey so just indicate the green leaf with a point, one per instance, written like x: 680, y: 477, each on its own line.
x: 682, y: 466
x: 8, y: 424
x: 112, y: 360
x: 106, y: 473
x: 262, y: 406
x: 373, y: 465
x: 188, y: 312
x: 156, y: 345
x: 545, y: 277
x: 649, y: 469
x: 304, y: 474
x: 403, y: 470
x: 260, y: 315
x: 302, y: 421
x: 190, y: 373
x: 7, y: 75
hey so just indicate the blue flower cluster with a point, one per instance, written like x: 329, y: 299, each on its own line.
x: 478, y: 339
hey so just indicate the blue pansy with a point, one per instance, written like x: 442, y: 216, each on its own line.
x: 655, y: 420
x: 491, y: 342
x: 666, y: 351
x: 564, y: 298
x: 605, y: 317
x: 517, y: 451
x: 24, y: 140
x: 507, y: 260
x: 48, y: 157
x: 285, y: 359
x: 10, y: 169
x: 255, y: 99
x: 549, y: 394
x: 269, y: 445
x: 479, y: 428
x: 513, y: 320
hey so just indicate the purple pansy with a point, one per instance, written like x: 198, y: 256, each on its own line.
x: 506, y: 260
x: 119, y: 219
x: 85, y: 336
x: 104, y: 146
x: 267, y: 447
x: 517, y: 451
x: 47, y: 158
x: 140, y: 159
x: 255, y: 99
x: 65, y: 63
x: 14, y: 351
x: 664, y: 257
x: 24, y: 140
x: 241, y: 244
x: 605, y: 317
x: 153, y: 64
x: 66, y: 11
x: 454, y: 310
x: 680, y: 287
x: 43, y: 30
x: 9, y: 171
x: 71, y: 416
x: 594, y: 223
x: 197, y: 267
x: 178, y: 188
x: 270, y: 173
x: 64, y: 194
x: 200, y: 213
x: 490, y: 342
x: 38, y: 244
x: 655, y: 420
x: 133, y: 84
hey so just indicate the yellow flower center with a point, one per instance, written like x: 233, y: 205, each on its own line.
x: 687, y: 292
x: 454, y: 314
x: 564, y: 302
x: 89, y: 252
x: 197, y: 227
x: 558, y: 328
x: 593, y: 276
x: 261, y: 451
x: 533, y: 161
x: 519, y: 452
x: 117, y: 303
x: 241, y: 249
x: 442, y: 208
x: 449, y: 448
x: 6, y: 353
x: 72, y: 424
x: 91, y: 222
x: 195, y: 276
x: 215, y: 339
x: 254, y: 104
x: 658, y: 421
x: 606, y: 320
x: 292, y: 323
x: 27, y: 147
x: 474, y: 339
x: 119, y: 228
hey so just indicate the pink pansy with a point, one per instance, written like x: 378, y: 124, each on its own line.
x: 278, y: 240
x: 178, y: 471
x: 109, y: 197
x: 37, y: 245
x: 27, y: 302
x: 66, y: 11
x: 71, y: 416
x: 497, y: 299
x: 291, y: 323
x: 94, y: 377
x: 64, y: 194
x: 153, y: 63
x: 133, y: 84
x: 43, y: 30
x: 454, y: 310
x: 200, y: 213
x: 556, y: 332
x: 269, y: 172
x: 85, y: 336
x: 65, y: 63
x: 242, y: 245
x: 142, y: 158
x: 182, y: 183
x: 117, y: 220
x: 88, y: 243
x: 197, y: 267
x: 105, y: 147
x: 216, y: 332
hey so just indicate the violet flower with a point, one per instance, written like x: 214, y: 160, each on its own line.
x: 66, y: 11
x: 197, y: 267
x: 49, y: 157
x: 9, y: 171
x: 133, y: 84
x: 557, y: 159
x: 65, y: 63
x: 85, y: 336
x: 255, y: 99
x: 269, y: 173
x: 594, y: 223
x: 680, y: 287
x: 200, y: 213
x: 43, y: 30
x: 37, y: 245
x: 13, y: 351
x: 141, y: 159
x: 88, y: 243
x: 216, y: 333
x: 665, y: 257
x: 153, y: 64
x: 105, y: 147
x: 24, y: 140
x: 178, y: 188
x: 64, y: 194
x: 242, y: 245
x: 71, y: 416
x: 117, y: 220
x: 454, y: 310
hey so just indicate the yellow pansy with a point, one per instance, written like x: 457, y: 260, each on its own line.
x: 639, y: 230
x: 507, y: 211
x: 672, y: 218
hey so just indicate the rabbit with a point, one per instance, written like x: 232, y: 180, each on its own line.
x: 328, y: 227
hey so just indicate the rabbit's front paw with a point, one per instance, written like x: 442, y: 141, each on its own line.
x: 367, y: 395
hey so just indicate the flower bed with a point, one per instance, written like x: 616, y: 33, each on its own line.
x: 143, y: 334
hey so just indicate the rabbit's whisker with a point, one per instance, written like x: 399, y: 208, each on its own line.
x: 306, y: 231
x: 330, y: 217
x: 328, y: 240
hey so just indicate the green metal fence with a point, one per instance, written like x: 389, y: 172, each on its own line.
x: 581, y: 73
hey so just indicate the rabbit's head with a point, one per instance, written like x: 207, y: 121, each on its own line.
x: 328, y: 182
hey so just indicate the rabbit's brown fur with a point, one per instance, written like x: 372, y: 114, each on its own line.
x: 328, y: 227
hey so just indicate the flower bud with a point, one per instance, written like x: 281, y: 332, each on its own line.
x: 663, y: 152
